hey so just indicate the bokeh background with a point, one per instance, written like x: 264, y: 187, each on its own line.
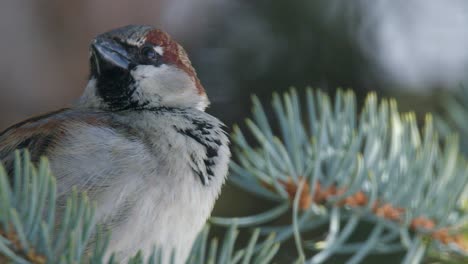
x: 239, y: 47
x: 415, y: 51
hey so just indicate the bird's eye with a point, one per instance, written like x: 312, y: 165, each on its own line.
x: 149, y: 53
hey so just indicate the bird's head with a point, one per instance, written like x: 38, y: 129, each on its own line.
x: 138, y: 67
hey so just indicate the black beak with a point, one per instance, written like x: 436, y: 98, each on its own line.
x: 107, y: 54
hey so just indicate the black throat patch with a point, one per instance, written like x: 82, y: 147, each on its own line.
x: 116, y: 87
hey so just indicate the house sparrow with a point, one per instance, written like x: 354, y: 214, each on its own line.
x: 138, y: 142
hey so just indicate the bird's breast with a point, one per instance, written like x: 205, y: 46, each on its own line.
x: 190, y: 158
x: 188, y: 143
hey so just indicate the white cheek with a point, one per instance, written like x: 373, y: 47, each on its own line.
x: 166, y: 86
x: 159, y: 50
x: 162, y: 80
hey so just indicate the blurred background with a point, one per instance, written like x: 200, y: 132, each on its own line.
x: 239, y: 47
x: 415, y: 51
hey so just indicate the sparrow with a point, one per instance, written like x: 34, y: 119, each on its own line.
x: 138, y: 142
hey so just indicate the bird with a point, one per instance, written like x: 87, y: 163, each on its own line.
x: 138, y: 142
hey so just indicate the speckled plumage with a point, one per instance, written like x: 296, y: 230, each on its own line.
x: 149, y: 155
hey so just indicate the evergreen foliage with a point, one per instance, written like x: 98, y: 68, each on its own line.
x: 455, y: 115
x: 29, y: 232
x: 332, y: 168
x: 324, y: 164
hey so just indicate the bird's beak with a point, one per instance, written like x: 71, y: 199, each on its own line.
x: 107, y: 55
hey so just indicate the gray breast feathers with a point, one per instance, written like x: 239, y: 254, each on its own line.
x: 206, y: 131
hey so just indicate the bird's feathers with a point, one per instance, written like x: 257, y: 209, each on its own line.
x: 42, y: 135
x: 138, y: 142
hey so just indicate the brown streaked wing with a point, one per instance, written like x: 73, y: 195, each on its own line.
x: 39, y: 134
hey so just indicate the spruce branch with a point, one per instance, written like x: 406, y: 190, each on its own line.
x: 28, y: 230
x: 455, y: 108
x: 331, y: 167
x: 30, y: 234
x: 453, y: 118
